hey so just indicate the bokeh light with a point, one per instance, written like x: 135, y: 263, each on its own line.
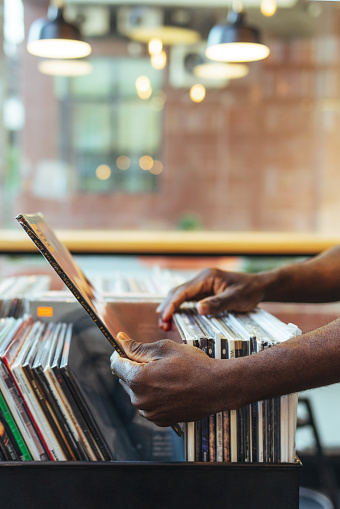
x: 157, y: 167
x: 268, y: 7
x: 159, y: 61
x: 197, y: 93
x: 146, y: 162
x: 123, y: 163
x: 103, y: 172
x: 155, y: 46
x: 143, y: 87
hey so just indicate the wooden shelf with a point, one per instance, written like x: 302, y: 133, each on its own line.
x: 177, y: 242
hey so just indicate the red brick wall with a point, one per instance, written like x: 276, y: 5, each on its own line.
x: 260, y: 154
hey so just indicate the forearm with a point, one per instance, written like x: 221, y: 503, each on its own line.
x: 314, y: 280
x: 305, y: 362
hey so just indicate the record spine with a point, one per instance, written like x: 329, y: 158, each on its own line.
x: 6, y: 446
x: 205, y: 421
x: 21, y: 416
x: 39, y: 394
x: 219, y: 416
x: 25, y: 454
x: 95, y: 453
x: 56, y: 453
x: 87, y: 416
x: 66, y: 433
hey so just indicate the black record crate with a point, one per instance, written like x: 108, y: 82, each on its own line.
x: 142, y: 485
x: 71, y: 485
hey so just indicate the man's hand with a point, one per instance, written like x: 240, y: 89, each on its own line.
x: 168, y: 382
x: 216, y: 290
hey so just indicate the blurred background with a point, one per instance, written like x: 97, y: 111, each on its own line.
x: 129, y: 144
x: 144, y: 134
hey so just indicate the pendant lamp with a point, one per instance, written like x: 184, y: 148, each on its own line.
x: 235, y: 41
x: 53, y: 37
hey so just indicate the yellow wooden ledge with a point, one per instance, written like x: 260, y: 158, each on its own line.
x: 177, y: 242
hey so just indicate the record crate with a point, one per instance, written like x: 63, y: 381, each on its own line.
x: 141, y: 484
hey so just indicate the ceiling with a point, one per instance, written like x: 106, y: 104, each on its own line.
x: 293, y: 17
x: 213, y: 4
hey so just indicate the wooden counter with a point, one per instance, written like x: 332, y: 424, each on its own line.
x: 177, y: 242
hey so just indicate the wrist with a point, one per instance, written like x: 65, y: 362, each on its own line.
x: 272, y: 282
x: 229, y: 385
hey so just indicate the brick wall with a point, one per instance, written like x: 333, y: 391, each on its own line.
x: 260, y: 154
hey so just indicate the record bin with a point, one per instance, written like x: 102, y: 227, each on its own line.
x: 143, y: 484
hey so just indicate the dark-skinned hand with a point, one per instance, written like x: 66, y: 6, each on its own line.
x: 162, y: 377
x: 215, y: 290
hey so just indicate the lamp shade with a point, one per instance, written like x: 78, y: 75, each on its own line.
x: 53, y: 37
x: 235, y: 41
x: 146, y: 23
x: 220, y: 70
x: 61, y: 67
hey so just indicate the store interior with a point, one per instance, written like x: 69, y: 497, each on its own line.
x: 148, y: 165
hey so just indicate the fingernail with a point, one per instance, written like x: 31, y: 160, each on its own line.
x: 122, y: 336
x: 203, y: 308
x: 158, y: 308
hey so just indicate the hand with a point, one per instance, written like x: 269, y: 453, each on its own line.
x: 168, y: 382
x: 216, y: 290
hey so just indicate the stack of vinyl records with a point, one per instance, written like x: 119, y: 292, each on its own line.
x: 59, y: 400
x: 15, y: 290
x: 263, y: 431
x: 24, y: 286
x: 12, y: 307
x: 155, y: 281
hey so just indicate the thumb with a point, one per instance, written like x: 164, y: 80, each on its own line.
x: 138, y: 352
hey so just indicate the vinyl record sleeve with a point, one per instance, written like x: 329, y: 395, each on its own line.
x: 8, y: 447
x: 82, y: 447
x: 19, y: 412
x: 67, y: 269
x: 128, y: 436
x: 61, y: 450
x: 38, y: 370
x: 12, y: 340
x: 53, y: 449
x: 94, y: 452
x: 62, y: 403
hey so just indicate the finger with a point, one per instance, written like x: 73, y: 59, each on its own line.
x: 141, y: 352
x: 122, y: 367
x: 231, y: 299
x: 183, y: 293
x: 122, y: 336
x: 165, y: 325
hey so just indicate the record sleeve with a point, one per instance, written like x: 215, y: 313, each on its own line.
x: 19, y: 412
x: 67, y: 269
x: 82, y: 446
x: 13, y: 431
x: 94, y: 452
x: 7, y: 448
x: 18, y: 372
x: 128, y: 436
x: 38, y: 370
x: 59, y: 450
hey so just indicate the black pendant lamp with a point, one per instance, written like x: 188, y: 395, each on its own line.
x: 235, y: 41
x: 54, y: 37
